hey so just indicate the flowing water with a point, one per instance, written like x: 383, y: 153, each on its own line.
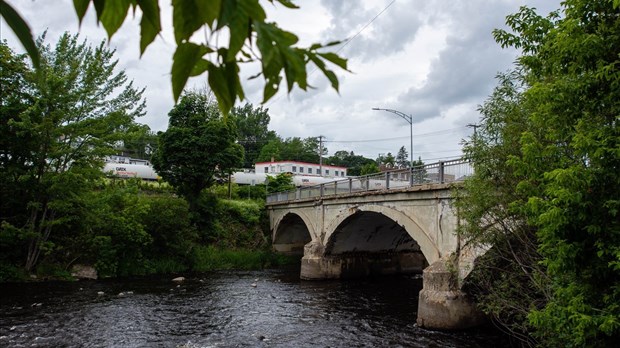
x: 270, y: 308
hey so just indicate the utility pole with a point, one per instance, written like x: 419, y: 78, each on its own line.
x: 475, y: 127
x: 321, y: 154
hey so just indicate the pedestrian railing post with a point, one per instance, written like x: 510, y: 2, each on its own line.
x: 410, y: 176
x: 441, y: 172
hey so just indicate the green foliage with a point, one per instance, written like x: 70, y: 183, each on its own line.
x: 547, y: 181
x: 402, y: 159
x: 21, y: 30
x: 279, y: 183
x: 353, y: 162
x: 370, y: 168
x: 58, y: 124
x: 242, y: 22
x: 291, y: 149
x: 116, y: 220
x: 168, y: 223
x: 253, y: 133
x: 256, y: 192
x: 198, y: 146
x: 210, y: 258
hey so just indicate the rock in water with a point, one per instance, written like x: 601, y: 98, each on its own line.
x: 83, y: 272
x: 178, y: 279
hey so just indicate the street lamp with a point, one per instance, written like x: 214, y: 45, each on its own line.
x: 409, y: 119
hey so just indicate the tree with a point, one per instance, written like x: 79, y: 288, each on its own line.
x: 291, y: 149
x: 402, y: 158
x: 197, y: 148
x: 280, y: 183
x: 252, y: 127
x: 353, y: 162
x: 245, y: 25
x: 139, y: 142
x: 546, y: 186
x: 369, y: 168
x: 387, y: 160
x: 78, y: 108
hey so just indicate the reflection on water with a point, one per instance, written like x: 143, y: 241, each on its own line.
x: 271, y: 308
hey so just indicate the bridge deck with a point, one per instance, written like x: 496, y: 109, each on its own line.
x: 416, y: 178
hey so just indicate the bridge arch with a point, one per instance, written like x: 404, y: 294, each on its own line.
x: 400, y: 219
x: 292, y: 231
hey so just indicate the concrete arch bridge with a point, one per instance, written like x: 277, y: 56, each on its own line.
x: 397, y: 222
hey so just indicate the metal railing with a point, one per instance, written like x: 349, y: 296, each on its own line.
x: 439, y: 172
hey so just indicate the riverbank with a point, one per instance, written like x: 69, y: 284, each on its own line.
x: 126, y: 228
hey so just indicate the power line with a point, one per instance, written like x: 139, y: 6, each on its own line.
x: 364, y: 27
x: 341, y: 47
x: 421, y: 135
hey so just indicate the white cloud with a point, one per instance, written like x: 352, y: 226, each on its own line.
x: 435, y: 60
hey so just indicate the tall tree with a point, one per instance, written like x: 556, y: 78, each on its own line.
x: 546, y: 187
x: 252, y: 127
x: 80, y: 108
x: 402, y: 158
x: 197, y: 148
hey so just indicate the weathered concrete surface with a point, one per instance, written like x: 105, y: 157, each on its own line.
x: 442, y: 305
x: 382, y: 232
x: 361, y: 265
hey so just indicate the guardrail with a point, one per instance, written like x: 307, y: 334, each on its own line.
x: 439, y: 172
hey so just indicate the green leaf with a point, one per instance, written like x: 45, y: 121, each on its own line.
x: 150, y: 24
x: 224, y: 84
x: 186, y: 19
x: 80, y: 8
x: 186, y: 56
x: 21, y: 30
x: 113, y: 15
x: 201, y: 66
x: 271, y: 88
x: 288, y: 4
x: 238, y: 29
x: 334, y: 58
x: 331, y: 76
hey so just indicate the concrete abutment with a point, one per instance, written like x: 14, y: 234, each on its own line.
x: 442, y: 304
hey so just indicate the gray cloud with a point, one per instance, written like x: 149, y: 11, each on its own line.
x: 439, y: 79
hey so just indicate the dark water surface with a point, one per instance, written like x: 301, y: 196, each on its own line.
x: 222, y: 309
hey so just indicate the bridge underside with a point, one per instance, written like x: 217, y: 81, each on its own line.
x: 297, y: 235
x: 365, y: 244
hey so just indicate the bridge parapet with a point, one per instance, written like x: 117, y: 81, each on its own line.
x: 439, y: 172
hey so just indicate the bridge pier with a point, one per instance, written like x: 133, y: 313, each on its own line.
x: 442, y: 304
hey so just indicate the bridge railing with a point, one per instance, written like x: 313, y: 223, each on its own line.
x: 439, y: 172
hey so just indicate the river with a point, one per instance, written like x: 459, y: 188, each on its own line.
x: 269, y: 308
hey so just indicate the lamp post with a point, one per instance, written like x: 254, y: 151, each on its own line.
x: 409, y: 119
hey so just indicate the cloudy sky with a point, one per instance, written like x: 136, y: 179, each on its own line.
x: 433, y: 59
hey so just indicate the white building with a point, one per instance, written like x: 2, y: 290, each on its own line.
x: 300, y: 168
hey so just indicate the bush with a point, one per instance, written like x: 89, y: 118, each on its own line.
x: 209, y: 258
